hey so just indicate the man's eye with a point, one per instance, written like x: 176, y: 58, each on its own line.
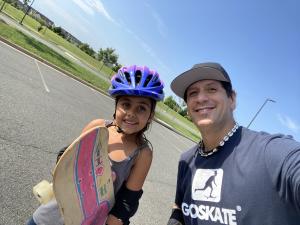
x: 212, y: 90
x: 192, y: 93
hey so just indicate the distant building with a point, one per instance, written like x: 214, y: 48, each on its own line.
x: 34, y: 13
x: 39, y: 16
x: 49, y: 23
x: 70, y: 37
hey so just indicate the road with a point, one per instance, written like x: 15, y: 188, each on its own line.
x: 43, y: 110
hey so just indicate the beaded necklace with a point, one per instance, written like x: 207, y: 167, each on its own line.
x: 222, y: 142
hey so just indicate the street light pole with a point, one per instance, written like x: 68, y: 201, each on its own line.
x: 29, y: 7
x: 2, y: 5
x: 267, y: 100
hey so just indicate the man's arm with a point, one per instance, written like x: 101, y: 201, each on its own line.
x: 176, y: 217
x: 283, y: 163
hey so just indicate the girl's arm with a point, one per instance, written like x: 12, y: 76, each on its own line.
x: 140, y: 170
x: 132, y: 190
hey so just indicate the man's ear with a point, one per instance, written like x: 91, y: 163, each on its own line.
x: 233, y: 99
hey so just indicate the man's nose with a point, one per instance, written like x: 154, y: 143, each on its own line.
x: 201, y: 97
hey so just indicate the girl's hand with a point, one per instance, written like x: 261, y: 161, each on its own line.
x: 112, y: 220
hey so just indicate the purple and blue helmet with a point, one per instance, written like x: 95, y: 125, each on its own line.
x: 137, y: 81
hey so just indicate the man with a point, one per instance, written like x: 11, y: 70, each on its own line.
x: 234, y: 175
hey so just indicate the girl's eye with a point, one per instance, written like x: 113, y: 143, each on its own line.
x: 141, y: 109
x: 125, y: 105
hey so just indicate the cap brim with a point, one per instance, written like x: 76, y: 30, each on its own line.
x: 184, y: 80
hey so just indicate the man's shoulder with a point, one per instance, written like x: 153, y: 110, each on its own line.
x: 267, y: 140
x: 265, y: 136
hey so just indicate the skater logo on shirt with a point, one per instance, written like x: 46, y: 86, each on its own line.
x: 207, y: 185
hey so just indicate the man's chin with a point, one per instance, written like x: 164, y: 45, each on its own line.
x: 203, y: 123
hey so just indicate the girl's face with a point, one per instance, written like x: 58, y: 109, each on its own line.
x: 133, y: 113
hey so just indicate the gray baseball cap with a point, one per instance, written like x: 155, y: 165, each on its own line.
x: 200, y: 71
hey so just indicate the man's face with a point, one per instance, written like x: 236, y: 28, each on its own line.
x: 209, y: 105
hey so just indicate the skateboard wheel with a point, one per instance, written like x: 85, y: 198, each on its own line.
x: 43, y: 191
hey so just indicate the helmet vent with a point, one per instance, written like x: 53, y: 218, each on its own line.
x: 149, y: 77
x: 156, y: 84
x: 138, y: 76
x: 127, y: 76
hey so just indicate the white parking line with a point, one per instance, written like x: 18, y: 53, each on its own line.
x: 43, y: 80
x: 106, y: 96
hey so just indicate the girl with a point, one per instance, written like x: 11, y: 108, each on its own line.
x: 136, y: 91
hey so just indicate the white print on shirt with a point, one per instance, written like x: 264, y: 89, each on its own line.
x: 207, y: 184
x: 210, y: 213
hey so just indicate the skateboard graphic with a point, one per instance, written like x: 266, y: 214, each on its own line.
x: 82, y: 181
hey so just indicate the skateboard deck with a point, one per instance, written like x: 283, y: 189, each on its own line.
x: 82, y: 181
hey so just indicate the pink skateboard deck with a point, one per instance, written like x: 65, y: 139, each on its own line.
x: 82, y: 181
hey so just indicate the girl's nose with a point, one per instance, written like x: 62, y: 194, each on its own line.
x: 130, y: 112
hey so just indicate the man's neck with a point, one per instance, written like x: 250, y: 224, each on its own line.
x: 213, y: 135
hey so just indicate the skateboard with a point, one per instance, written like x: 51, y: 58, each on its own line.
x: 82, y: 180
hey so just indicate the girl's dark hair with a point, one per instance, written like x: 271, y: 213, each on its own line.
x: 141, y: 138
x: 60, y: 153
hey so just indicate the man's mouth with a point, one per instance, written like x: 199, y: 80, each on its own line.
x: 204, y: 109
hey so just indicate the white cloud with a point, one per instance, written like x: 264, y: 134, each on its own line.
x: 162, y: 28
x: 93, y: 6
x: 289, y: 123
x: 84, y: 6
x: 146, y: 47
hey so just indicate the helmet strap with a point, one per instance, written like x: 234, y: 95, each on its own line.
x: 119, y: 129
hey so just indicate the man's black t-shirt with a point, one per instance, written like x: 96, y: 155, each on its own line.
x: 254, y: 179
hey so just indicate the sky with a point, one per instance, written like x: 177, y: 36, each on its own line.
x: 257, y: 42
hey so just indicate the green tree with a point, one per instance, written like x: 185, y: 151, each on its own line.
x: 169, y: 101
x: 57, y: 30
x: 183, y: 112
x: 108, y: 56
x: 116, y: 67
x: 42, y: 24
x: 87, y: 49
